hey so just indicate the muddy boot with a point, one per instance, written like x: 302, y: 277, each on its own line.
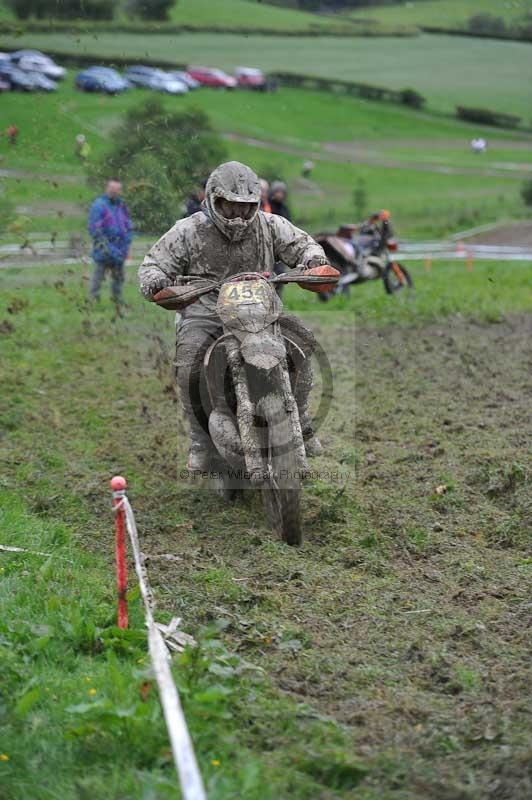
x: 313, y: 446
x: 201, y: 451
x: 201, y: 448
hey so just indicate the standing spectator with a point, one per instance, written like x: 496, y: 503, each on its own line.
x: 264, y: 199
x: 278, y: 206
x: 111, y: 230
x: 307, y: 168
x: 278, y: 200
x: 82, y: 148
x: 12, y: 134
x: 194, y: 200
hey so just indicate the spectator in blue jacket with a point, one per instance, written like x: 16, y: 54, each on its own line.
x: 111, y: 230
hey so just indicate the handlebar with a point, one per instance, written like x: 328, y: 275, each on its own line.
x: 189, y: 288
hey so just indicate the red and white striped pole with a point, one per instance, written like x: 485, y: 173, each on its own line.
x: 118, y: 485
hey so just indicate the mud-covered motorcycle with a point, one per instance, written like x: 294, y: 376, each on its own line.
x: 365, y: 253
x: 254, y: 421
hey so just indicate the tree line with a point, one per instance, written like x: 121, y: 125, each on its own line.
x: 90, y: 9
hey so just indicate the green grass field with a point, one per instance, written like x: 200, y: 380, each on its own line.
x: 320, y: 672
x: 247, y: 13
x: 444, y: 13
x: 402, y: 157
x: 433, y: 65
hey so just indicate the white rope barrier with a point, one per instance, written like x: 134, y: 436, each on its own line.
x: 182, y: 748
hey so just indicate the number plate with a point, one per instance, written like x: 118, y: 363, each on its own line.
x: 242, y: 292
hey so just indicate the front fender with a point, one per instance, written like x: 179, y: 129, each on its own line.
x: 263, y: 351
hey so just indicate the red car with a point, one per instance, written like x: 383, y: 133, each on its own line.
x: 216, y: 78
x: 250, y: 78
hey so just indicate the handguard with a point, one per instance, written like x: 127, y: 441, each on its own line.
x: 316, y: 279
x: 175, y: 298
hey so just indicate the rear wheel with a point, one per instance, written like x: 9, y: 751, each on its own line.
x: 282, y: 490
x: 396, y: 277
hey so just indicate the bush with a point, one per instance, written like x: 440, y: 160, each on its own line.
x: 63, y: 9
x: 150, y: 9
x: 487, y: 24
x: 526, y: 192
x: 151, y: 199
x: 485, y: 116
x: 23, y: 9
x: 409, y: 97
x: 161, y: 156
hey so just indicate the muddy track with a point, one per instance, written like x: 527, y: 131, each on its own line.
x: 342, y: 152
x: 516, y: 234
x: 404, y: 616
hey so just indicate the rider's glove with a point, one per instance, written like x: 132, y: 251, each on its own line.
x: 151, y: 285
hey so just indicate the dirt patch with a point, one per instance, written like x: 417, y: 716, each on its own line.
x: 460, y: 145
x: 48, y: 209
x: 40, y: 176
x: 518, y: 234
x: 341, y: 152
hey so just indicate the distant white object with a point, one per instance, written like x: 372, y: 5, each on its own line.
x: 479, y: 145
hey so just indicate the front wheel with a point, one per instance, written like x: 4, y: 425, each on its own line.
x: 281, y: 492
x: 396, y: 277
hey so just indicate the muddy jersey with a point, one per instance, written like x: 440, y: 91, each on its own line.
x: 195, y: 246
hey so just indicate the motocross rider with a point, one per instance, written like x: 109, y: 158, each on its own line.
x: 229, y: 235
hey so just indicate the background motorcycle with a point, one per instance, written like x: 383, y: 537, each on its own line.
x: 254, y: 419
x: 363, y: 254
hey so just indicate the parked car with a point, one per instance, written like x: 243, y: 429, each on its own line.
x: 216, y: 78
x: 35, y: 61
x: 187, y: 79
x: 17, y: 78
x: 42, y: 82
x: 101, y: 79
x: 156, y: 79
x: 251, y: 78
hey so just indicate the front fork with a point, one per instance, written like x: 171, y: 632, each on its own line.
x: 245, y: 412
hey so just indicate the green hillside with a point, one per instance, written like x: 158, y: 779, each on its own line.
x: 246, y: 13
x: 235, y: 14
x: 447, y: 13
x: 447, y: 70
